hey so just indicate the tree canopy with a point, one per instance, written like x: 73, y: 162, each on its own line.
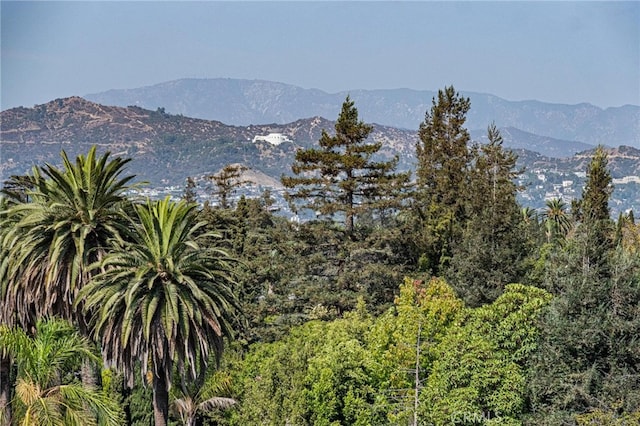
x: 433, y: 302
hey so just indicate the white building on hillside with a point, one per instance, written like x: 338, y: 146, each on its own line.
x: 272, y: 138
x: 626, y: 179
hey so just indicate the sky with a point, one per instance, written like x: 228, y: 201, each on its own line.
x: 560, y: 52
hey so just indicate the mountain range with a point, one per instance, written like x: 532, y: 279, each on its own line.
x: 167, y: 148
x: 244, y: 102
x: 164, y: 148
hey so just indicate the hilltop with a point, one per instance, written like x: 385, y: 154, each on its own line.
x: 245, y: 102
x: 164, y: 148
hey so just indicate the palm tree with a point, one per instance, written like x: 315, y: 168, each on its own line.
x: 5, y: 360
x: 46, y: 391
x: 193, y: 400
x: 53, y: 224
x: 529, y: 215
x: 556, y: 219
x: 163, y: 299
x: 17, y: 188
x: 65, y: 225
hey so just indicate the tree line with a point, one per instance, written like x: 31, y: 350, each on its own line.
x: 432, y: 299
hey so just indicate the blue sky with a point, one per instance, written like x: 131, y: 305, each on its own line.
x: 563, y: 52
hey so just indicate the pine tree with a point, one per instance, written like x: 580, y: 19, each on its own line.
x: 492, y: 250
x: 598, y: 189
x: 443, y: 155
x: 443, y: 162
x: 190, y: 195
x: 341, y: 176
x: 597, y: 225
x: 226, y: 182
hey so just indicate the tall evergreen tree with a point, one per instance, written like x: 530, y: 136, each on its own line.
x: 492, y: 250
x: 627, y: 232
x: 342, y: 176
x: 492, y: 187
x: 598, y: 189
x: 226, y: 182
x: 442, y: 151
x: 597, y: 225
x: 190, y: 195
x: 443, y: 162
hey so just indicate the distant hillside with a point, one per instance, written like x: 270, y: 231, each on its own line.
x: 165, y: 149
x: 244, y: 102
x: 547, y: 146
x: 623, y: 161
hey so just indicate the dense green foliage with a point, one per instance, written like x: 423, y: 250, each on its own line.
x: 47, y: 392
x: 445, y: 305
x: 361, y: 370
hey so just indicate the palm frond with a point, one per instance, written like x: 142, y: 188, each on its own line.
x: 158, y: 299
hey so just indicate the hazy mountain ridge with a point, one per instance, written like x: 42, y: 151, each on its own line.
x: 166, y: 148
x: 550, y: 147
x: 244, y: 102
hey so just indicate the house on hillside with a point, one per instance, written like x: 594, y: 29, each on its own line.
x: 272, y: 138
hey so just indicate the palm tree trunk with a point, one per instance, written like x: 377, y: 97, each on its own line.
x: 5, y: 390
x: 160, y: 398
x: 126, y: 405
x: 88, y: 374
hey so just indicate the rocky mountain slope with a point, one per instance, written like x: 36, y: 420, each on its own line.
x: 622, y: 161
x: 245, y: 102
x: 165, y: 149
